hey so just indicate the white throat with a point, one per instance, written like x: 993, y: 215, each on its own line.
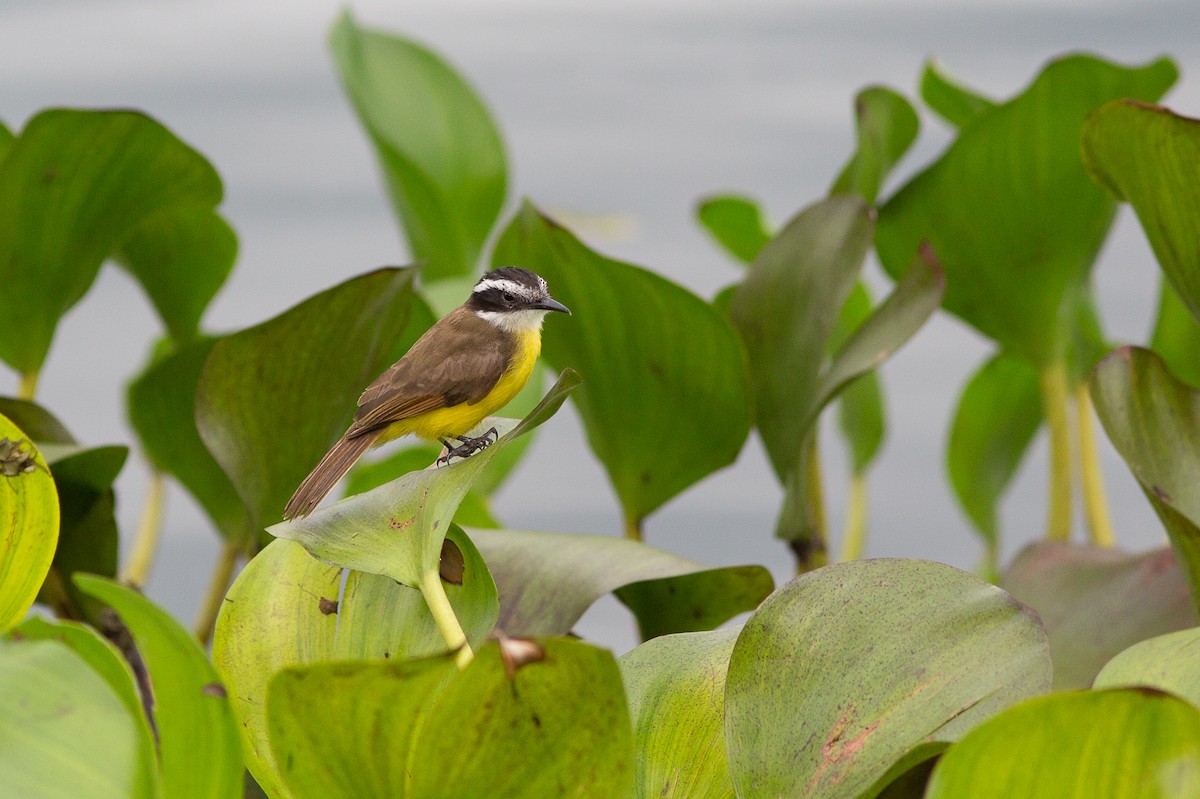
x: 514, y: 321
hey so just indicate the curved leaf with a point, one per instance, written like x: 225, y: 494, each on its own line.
x: 886, y: 126
x: 860, y: 404
x: 676, y: 690
x: 28, y: 523
x: 1166, y: 662
x: 1147, y: 155
x: 1153, y: 421
x: 1009, y: 210
x: 547, y: 580
x: 846, y: 668
x: 77, y: 184
x: 272, y: 398
x: 441, y: 153
x: 1096, y: 602
x: 642, y: 342
x: 950, y: 100
x: 736, y: 223
x: 1123, y: 743
x: 1176, y: 336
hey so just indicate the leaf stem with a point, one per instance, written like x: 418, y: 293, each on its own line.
x: 854, y: 537
x: 1095, y: 503
x: 633, y: 528
x: 443, y: 616
x: 818, y: 547
x: 145, y: 544
x: 1053, y: 381
x: 219, y: 584
x: 27, y: 388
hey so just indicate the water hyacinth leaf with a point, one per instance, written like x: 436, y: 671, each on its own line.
x: 1166, y: 662
x: 1129, y: 743
x: 6, y: 138
x: 547, y: 580
x: 38, y: 423
x: 997, y: 416
x: 65, y: 732
x: 397, y: 529
x: 28, y: 523
x: 886, y: 126
x: 786, y: 309
x: 181, y: 257
x: 83, y: 181
x: 736, y: 223
x: 1147, y: 155
x: 845, y: 669
x: 161, y: 405
x: 1097, y: 602
x: 676, y: 690
x: 442, y: 156
x: 381, y: 619
x: 1153, y: 420
x: 257, y: 407
x: 640, y: 341
x: 949, y: 99
x: 1176, y: 337
x: 277, y: 614
x: 1046, y: 219
x: 860, y: 405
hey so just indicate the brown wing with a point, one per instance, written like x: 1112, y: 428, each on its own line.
x: 460, y: 359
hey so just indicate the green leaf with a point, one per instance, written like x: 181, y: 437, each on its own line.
x: 198, y: 747
x: 1096, y: 602
x: 442, y: 156
x: 397, y: 529
x: 1153, y: 420
x: 641, y: 342
x: 64, y: 732
x: 78, y: 184
x: 37, y: 422
x: 1124, y: 743
x: 547, y: 580
x: 1176, y: 336
x: 28, y: 523
x: 845, y: 669
x: 272, y: 398
x: 181, y: 256
x: 886, y: 126
x: 161, y: 404
x: 1009, y: 209
x: 736, y: 223
x: 949, y: 99
x: 554, y: 727
x: 1147, y: 155
x: 1166, y: 662
x: 997, y: 416
x: 860, y: 406
x: 676, y: 690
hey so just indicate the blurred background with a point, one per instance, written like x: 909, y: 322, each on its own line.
x: 618, y: 116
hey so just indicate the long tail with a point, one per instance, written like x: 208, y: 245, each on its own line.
x: 324, y: 477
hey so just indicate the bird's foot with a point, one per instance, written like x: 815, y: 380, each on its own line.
x: 467, y: 446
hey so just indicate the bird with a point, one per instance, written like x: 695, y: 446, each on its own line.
x: 464, y: 368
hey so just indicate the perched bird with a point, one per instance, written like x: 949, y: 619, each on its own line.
x: 464, y: 368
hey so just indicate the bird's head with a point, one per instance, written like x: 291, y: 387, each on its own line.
x: 513, y: 298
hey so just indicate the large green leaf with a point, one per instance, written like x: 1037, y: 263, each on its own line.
x: 845, y: 669
x: 397, y: 529
x: 1096, y: 602
x: 1153, y: 421
x: 1131, y: 744
x: 74, y: 186
x: 1176, y: 336
x: 1166, y: 662
x: 547, y: 580
x: 64, y: 732
x: 161, y: 403
x: 1009, y: 209
x: 676, y: 689
x: 441, y: 153
x: 272, y: 398
x: 950, y: 100
x: 556, y: 726
x: 198, y: 747
x: 886, y: 126
x: 997, y: 416
x: 640, y: 342
x: 1147, y: 156
x: 28, y: 523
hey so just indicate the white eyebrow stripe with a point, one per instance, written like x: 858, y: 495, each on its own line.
x: 503, y: 284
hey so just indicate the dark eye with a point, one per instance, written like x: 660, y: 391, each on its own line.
x: 508, y: 297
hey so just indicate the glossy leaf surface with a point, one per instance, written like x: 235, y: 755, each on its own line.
x: 1167, y: 662
x: 28, y: 523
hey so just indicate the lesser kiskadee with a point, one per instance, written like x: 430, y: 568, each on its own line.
x: 465, y: 367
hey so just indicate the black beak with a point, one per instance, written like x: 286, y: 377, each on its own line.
x: 551, y: 304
